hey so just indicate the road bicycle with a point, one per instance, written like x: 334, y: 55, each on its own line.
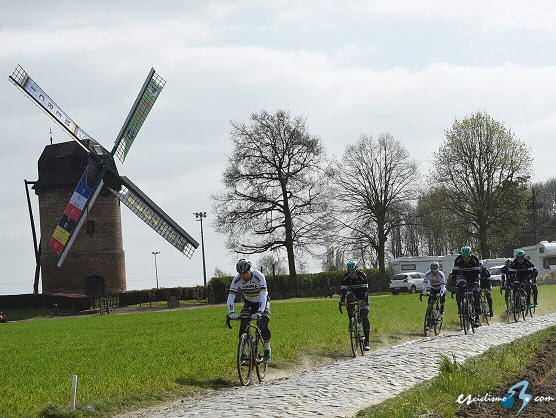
x: 433, y: 318
x: 356, y: 334
x: 468, y: 318
x: 519, y: 301
x: 485, y: 311
x: 250, y: 351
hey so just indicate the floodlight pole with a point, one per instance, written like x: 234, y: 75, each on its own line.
x: 200, y: 216
x: 155, y: 267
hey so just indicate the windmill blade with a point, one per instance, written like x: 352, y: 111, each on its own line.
x: 139, y: 111
x: 75, y: 214
x: 131, y: 196
x: 22, y: 80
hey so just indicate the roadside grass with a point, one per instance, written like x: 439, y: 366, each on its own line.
x: 475, y: 377
x: 133, y: 360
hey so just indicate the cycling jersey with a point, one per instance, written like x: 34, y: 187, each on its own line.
x: 469, y: 268
x: 523, y: 270
x: 437, y: 282
x: 358, y: 285
x: 254, y: 290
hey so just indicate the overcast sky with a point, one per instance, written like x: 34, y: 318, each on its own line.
x: 410, y: 68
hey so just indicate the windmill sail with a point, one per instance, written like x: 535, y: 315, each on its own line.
x: 22, y: 80
x: 71, y: 221
x: 140, y: 110
x: 131, y: 196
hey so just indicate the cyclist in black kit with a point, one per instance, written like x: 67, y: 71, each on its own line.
x: 486, y: 285
x: 355, y: 287
x: 468, y: 267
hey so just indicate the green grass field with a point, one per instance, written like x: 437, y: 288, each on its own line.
x: 132, y: 360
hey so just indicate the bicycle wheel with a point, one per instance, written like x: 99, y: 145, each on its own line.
x: 437, y: 320
x: 509, y: 306
x: 353, y: 337
x: 472, y: 316
x: 523, y: 301
x: 517, y: 306
x: 465, y: 315
x: 428, y: 321
x: 260, y: 365
x: 244, y: 359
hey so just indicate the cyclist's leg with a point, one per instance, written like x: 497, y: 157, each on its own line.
x: 350, y: 299
x: 535, y: 291
x: 488, y: 293
x: 442, y: 302
x: 364, y: 312
x: 265, y: 332
x: 528, y: 292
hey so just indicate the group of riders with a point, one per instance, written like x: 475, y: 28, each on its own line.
x: 468, y: 271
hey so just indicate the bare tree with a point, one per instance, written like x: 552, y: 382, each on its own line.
x: 275, y: 196
x: 271, y: 264
x: 484, y: 172
x: 372, y: 181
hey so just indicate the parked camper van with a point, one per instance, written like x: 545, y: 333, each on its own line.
x: 543, y: 256
x: 422, y: 264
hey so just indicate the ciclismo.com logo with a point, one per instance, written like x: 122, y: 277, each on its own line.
x: 517, y: 393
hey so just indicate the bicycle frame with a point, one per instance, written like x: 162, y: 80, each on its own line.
x: 432, y: 315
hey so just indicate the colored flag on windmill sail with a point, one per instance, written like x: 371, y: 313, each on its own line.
x: 21, y: 79
x: 143, y: 104
x: 75, y: 213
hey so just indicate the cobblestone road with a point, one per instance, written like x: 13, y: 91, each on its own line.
x: 386, y: 373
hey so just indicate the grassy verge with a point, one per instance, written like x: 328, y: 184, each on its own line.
x: 126, y: 361
x: 476, y: 377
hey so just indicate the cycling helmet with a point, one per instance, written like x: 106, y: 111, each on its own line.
x: 508, y: 262
x: 243, y: 265
x: 520, y: 254
x: 434, y: 266
x: 351, y: 265
x: 466, y: 251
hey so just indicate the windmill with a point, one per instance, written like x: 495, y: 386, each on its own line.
x: 100, y: 172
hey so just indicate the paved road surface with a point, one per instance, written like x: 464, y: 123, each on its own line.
x: 386, y: 373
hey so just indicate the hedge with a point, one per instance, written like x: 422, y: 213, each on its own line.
x: 308, y: 285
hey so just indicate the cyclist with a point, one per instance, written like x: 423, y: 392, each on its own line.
x: 435, y: 278
x: 523, y: 270
x: 355, y: 287
x: 252, y: 284
x: 486, y: 285
x: 506, y: 277
x: 468, y: 266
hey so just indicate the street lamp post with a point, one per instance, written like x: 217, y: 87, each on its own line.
x: 200, y: 216
x: 155, y: 267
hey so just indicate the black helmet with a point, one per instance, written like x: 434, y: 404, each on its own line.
x: 243, y: 265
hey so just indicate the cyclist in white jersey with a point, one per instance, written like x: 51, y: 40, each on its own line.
x: 435, y: 280
x: 252, y: 284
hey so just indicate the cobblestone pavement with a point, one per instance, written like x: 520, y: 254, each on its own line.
x: 318, y: 392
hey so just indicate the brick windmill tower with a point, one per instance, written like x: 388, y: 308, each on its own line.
x: 91, y: 259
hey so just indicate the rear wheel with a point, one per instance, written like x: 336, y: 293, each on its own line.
x: 244, y: 359
x: 260, y: 365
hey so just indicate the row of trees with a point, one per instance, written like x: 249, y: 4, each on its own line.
x: 282, y: 193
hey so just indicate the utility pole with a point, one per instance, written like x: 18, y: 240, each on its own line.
x: 200, y: 216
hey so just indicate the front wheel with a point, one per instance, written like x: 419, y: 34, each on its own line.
x: 353, y: 336
x: 437, y: 321
x: 361, y: 338
x: 484, y: 312
x: 244, y: 359
x: 517, y: 306
x: 260, y: 365
x: 428, y: 321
